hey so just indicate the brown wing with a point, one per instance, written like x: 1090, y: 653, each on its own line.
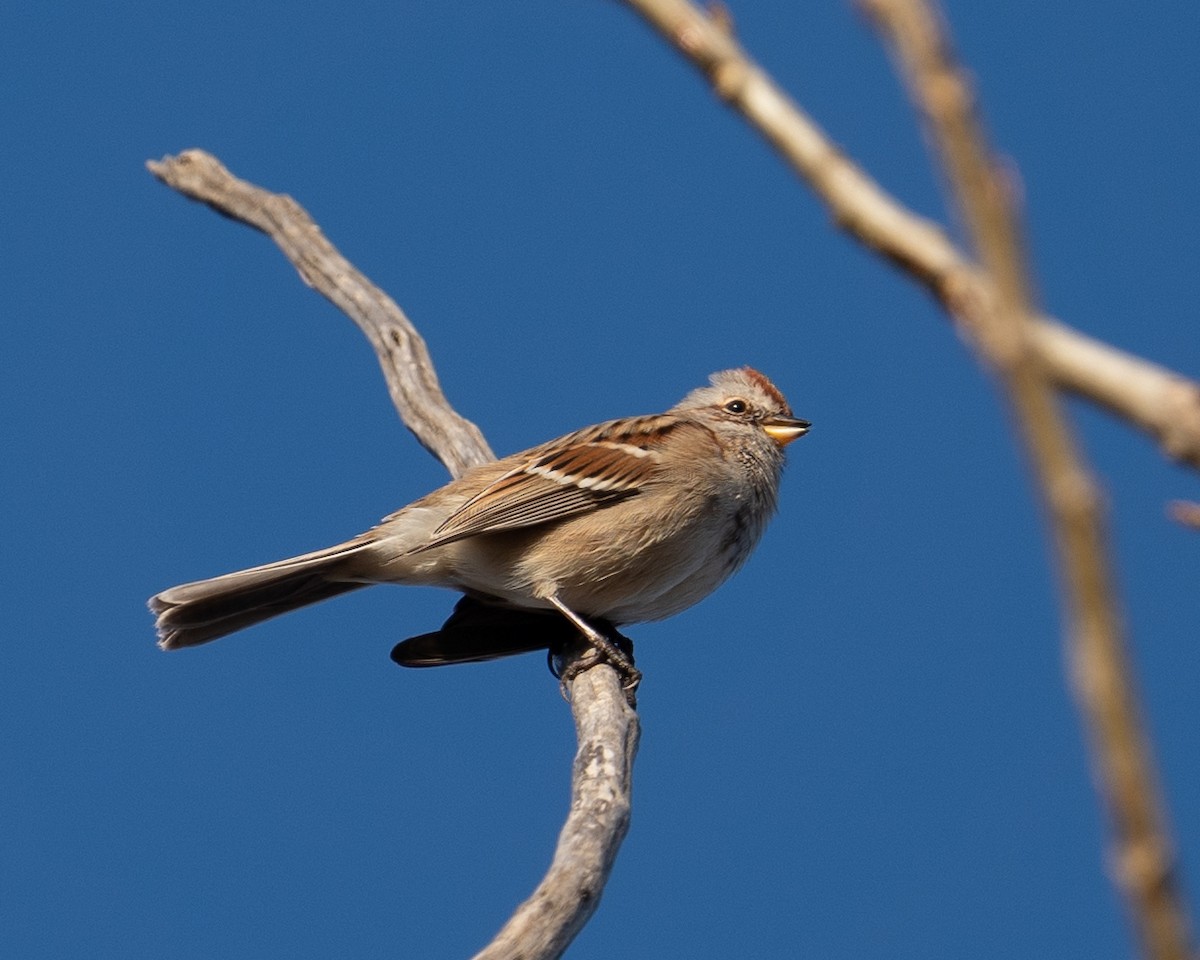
x: 581, y: 472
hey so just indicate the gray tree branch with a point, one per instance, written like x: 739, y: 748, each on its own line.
x: 546, y: 923
x: 402, y: 353
x: 607, y: 727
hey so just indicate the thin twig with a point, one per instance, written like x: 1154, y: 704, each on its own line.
x: 1161, y: 402
x: 1101, y: 673
x: 1185, y: 512
x: 607, y: 727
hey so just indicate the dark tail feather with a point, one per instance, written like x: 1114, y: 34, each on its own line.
x: 195, y: 613
x: 477, y: 631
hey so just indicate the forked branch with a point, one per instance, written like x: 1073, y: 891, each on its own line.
x: 1031, y: 354
x: 1164, y: 404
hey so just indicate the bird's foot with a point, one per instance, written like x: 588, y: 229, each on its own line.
x: 568, y: 661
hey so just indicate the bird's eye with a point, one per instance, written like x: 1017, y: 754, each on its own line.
x: 736, y: 406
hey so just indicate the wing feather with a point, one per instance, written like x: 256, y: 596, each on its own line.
x: 585, y: 471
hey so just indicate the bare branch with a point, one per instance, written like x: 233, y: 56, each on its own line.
x: 1185, y: 512
x: 402, y: 353
x: 993, y: 311
x: 1164, y: 404
x: 601, y: 800
x: 1160, y: 401
x: 606, y: 725
x: 1101, y: 672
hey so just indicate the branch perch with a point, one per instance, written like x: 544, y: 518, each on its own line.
x: 607, y: 727
x: 546, y: 923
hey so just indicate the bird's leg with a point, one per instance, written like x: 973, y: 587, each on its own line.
x: 604, y: 648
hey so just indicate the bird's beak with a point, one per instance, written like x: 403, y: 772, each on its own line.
x: 783, y: 430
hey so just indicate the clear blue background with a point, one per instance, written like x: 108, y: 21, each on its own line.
x: 863, y: 746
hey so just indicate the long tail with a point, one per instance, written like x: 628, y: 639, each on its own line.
x: 198, y: 612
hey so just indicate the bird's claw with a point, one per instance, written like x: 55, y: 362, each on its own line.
x: 568, y: 662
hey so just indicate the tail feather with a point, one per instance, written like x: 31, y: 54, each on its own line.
x: 195, y: 613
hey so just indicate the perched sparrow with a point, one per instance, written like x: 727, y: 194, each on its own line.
x: 625, y: 521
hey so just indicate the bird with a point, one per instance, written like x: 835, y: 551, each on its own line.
x: 626, y: 521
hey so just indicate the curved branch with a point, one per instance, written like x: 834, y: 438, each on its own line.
x: 606, y: 725
x: 402, y: 353
x: 1164, y: 404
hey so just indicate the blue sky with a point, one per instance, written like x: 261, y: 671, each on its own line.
x: 862, y: 746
